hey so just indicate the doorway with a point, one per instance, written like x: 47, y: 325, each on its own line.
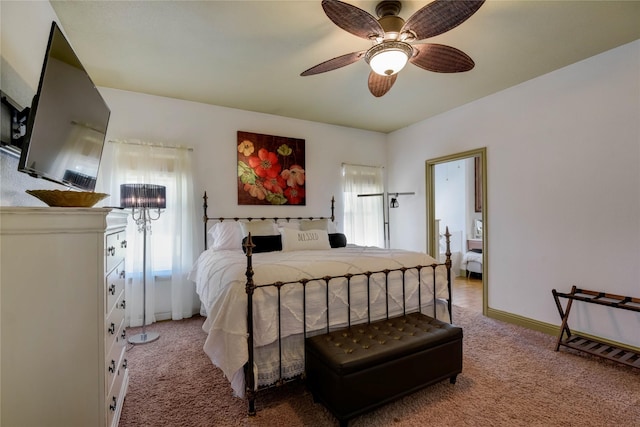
x: 467, y: 194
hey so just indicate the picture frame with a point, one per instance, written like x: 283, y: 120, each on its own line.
x: 478, y: 184
x: 271, y: 170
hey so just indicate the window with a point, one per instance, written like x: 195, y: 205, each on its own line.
x: 363, y: 195
x: 171, y: 238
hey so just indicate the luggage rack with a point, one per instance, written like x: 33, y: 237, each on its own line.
x: 616, y: 353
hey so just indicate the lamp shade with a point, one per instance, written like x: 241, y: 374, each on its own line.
x: 387, y: 58
x: 143, y: 196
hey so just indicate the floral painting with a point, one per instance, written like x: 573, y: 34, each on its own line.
x: 270, y: 170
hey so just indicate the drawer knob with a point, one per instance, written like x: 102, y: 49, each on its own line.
x: 122, y: 273
x: 112, y: 366
x: 125, y: 363
x: 123, y: 244
x: 114, y: 403
x: 112, y: 328
x: 111, y: 250
x: 112, y: 289
x: 124, y: 334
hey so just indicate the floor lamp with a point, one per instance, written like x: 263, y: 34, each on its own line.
x: 145, y: 201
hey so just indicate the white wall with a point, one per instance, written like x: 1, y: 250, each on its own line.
x: 562, y: 151
x: 563, y: 155
x: 209, y: 130
x: 451, y: 195
x: 25, y: 31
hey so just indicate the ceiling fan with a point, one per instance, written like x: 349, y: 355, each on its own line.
x: 392, y: 36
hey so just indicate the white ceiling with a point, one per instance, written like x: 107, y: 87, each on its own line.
x: 249, y: 54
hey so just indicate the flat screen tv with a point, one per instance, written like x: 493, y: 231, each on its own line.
x: 67, y: 122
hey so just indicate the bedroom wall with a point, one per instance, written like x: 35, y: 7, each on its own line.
x: 209, y: 130
x: 451, y: 196
x: 563, y: 187
x: 25, y: 30
x: 562, y: 156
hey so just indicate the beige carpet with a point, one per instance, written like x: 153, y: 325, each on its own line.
x: 511, y: 377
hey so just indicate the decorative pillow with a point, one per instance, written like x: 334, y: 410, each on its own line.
x: 264, y: 243
x: 337, y: 240
x: 300, y: 240
x: 258, y: 228
x: 314, y: 224
x: 294, y: 225
x: 225, y: 235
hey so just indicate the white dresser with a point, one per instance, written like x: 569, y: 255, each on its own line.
x: 62, y: 335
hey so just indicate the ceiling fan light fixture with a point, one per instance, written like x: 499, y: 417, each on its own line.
x: 387, y: 58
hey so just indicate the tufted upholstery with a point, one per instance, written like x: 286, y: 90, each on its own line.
x: 362, y: 346
x: 359, y: 368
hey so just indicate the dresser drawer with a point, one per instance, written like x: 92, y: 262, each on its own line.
x: 113, y: 362
x: 114, y: 326
x: 115, y: 249
x: 114, y: 285
x: 116, y: 382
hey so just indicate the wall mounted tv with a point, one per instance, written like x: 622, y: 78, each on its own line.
x: 67, y: 122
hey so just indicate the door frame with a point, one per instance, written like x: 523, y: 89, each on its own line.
x: 433, y: 243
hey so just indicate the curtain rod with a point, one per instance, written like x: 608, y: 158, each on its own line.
x: 389, y: 194
x: 367, y: 166
x: 150, y: 144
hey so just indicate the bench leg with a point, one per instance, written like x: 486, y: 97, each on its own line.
x: 453, y: 379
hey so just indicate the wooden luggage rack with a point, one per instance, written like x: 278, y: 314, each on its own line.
x: 620, y: 354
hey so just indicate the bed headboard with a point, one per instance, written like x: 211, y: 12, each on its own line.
x: 206, y: 217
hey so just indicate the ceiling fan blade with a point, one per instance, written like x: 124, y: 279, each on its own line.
x: 334, y: 63
x: 440, y: 16
x: 379, y: 85
x: 440, y: 58
x: 352, y: 19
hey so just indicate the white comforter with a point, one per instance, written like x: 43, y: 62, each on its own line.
x: 472, y: 257
x: 220, y: 282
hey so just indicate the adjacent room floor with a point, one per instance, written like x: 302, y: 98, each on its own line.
x: 467, y: 292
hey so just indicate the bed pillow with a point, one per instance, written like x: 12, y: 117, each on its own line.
x: 318, y: 224
x: 301, y: 240
x: 289, y: 224
x: 225, y: 236
x: 314, y: 224
x: 337, y: 240
x: 264, y: 243
x: 258, y: 228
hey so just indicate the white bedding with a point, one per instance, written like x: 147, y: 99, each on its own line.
x: 472, y: 262
x: 472, y: 257
x: 220, y: 282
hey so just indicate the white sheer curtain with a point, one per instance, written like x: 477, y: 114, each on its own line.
x: 171, y: 243
x: 363, y: 216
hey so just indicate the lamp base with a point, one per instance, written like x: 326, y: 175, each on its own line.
x: 144, y: 338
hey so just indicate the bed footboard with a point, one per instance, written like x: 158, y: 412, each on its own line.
x: 251, y: 287
x: 251, y: 387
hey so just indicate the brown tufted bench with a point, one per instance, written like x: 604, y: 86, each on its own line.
x: 354, y: 370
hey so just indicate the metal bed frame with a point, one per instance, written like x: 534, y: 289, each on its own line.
x: 251, y: 287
